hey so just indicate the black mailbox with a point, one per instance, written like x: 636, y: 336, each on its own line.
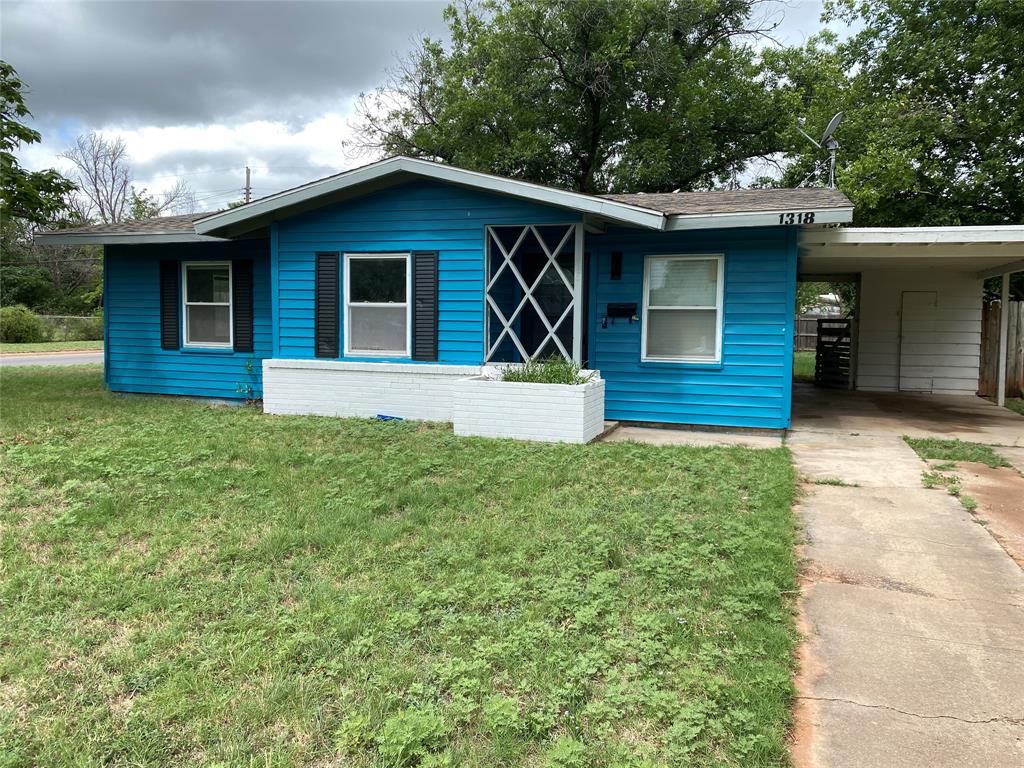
x: 625, y: 309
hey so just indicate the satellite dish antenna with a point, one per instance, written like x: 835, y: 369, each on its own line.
x: 827, y: 142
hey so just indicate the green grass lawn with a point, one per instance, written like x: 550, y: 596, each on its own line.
x: 50, y: 346
x: 956, y: 450
x: 193, y: 585
x: 1015, y: 404
x: 803, y: 366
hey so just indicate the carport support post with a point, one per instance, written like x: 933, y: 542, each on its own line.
x: 1004, y: 321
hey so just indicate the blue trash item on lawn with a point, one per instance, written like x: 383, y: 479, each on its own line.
x: 385, y: 417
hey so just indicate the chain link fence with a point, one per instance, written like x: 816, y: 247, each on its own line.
x: 71, y: 328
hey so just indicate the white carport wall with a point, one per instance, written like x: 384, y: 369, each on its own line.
x: 507, y: 245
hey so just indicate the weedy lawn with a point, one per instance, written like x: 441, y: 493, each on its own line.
x: 184, y: 584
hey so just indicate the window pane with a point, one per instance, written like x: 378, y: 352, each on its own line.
x: 681, y: 333
x: 207, y: 284
x: 377, y: 329
x: 376, y: 280
x: 690, y: 283
x: 209, y: 325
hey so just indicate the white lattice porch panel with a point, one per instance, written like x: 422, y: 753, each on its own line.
x: 573, y: 234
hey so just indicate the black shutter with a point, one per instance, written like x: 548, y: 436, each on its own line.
x: 170, y: 305
x: 325, y: 312
x: 241, y: 303
x: 424, y: 308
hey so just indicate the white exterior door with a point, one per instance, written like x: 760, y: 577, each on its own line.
x: 919, y: 316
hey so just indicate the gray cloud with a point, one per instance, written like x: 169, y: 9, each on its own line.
x: 187, y: 62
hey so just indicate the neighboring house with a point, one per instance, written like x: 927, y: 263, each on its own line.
x: 372, y: 291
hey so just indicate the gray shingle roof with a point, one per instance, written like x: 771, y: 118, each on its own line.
x: 159, y: 225
x: 671, y: 204
x: 736, y: 201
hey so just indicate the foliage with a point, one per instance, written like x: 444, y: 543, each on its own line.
x: 551, y: 370
x: 803, y: 365
x: 192, y: 584
x: 649, y: 95
x: 1015, y: 404
x: 933, y: 129
x: 956, y: 450
x: 20, y: 325
x: 808, y: 295
x: 48, y: 279
x: 37, y: 196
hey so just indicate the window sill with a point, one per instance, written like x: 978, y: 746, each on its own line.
x: 208, y: 350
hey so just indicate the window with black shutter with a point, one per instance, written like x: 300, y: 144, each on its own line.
x: 242, y: 311
x: 170, y: 306
x: 326, y: 305
x: 424, y: 312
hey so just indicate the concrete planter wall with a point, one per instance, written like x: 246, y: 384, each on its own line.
x: 553, y: 413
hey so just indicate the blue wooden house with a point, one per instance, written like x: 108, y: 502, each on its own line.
x: 373, y: 290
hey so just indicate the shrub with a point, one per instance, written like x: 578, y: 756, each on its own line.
x: 20, y: 325
x: 87, y: 329
x: 553, y: 370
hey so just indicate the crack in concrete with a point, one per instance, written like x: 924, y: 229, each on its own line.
x: 1007, y: 720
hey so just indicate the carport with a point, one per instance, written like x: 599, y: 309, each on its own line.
x: 915, y: 346
x: 917, y: 325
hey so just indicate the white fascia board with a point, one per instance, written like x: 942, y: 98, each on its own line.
x: 915, y: 235
x: 125, y: 238
x: 620, y: 212
x: 756, y: 219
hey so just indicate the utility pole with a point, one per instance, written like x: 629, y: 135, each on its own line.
x: 248, y: 185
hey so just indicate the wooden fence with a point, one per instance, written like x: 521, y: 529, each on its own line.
x: 805, y: 335
x: 989, y: 374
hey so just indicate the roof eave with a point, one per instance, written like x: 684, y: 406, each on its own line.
x: 123, y: 238
x: 758, y: 219
x: 586, y: 204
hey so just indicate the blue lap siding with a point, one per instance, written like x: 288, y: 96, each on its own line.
x: 135, y: 361
x: 751, y: 386
x: 425, y: 216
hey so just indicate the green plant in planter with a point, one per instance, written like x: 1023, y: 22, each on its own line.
x: 551, y: 370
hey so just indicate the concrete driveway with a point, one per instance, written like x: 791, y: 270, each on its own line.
x: 914, y: 614
x: 56, y: 358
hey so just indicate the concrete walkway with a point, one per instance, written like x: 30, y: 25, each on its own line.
x: 56, y: 358
x: 914, y: 616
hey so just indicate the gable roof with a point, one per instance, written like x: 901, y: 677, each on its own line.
x: 259, y: 211
x: 669, y: 211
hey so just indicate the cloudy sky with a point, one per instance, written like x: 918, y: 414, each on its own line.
x: 198, y: 90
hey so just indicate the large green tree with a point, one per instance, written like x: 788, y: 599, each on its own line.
x: 591, y: 95
x: 37, y: 196
x: 934, y: 129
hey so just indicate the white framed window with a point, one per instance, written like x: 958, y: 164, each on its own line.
x: 377, y: 308
x: 206, y: 296
x: 682, y: 320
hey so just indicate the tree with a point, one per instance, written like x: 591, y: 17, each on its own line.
x: 599, y: 95
x: 934, y: 132
x: 37, y: 196
x: 105, y: 180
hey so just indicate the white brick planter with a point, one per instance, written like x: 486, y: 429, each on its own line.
x: 342, y: 388
x: 553, y: 413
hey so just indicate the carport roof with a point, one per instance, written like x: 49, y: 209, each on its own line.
x: 984, y: 251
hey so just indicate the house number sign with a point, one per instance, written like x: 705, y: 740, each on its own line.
x: 803, y: 217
